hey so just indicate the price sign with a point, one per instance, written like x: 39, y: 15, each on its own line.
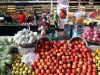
x: 63, y: 4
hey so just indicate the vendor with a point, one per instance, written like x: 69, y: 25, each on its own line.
x: 44, y: 25
x: 1, y: 17
x: 55, y: 19
x: 21, y: 17
x: 8, y: 18
x: 79, y: 15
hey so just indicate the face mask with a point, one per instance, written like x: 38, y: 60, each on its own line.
x: 44, y: 20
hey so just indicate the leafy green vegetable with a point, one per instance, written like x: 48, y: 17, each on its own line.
x: 4, y: 42
x: 5, y: 57
x: 7, y: 49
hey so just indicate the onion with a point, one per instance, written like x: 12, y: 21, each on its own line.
x: 84, y: 35
x: 87, y: 33
x: 91, y: 33
x: 94, y: 39
x: 89, y: 38
x: 95, y: 36
x: 98, y: 39
x: 95, y: 28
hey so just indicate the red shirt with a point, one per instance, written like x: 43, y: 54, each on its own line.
x: 21, y: 18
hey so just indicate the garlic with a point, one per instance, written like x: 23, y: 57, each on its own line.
x: 24, y: 37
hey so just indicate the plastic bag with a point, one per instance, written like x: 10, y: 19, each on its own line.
x: 94, y: 47
x: 43, y: 32
x: 29, y: 58
x: 63, y: 4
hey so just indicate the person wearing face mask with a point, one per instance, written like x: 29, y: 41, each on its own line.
x: 78, y: 21
x: 44, y: 26
x: 55, y: 19
x: 79, y: 15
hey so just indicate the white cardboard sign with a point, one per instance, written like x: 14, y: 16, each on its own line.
x: 63, y: 4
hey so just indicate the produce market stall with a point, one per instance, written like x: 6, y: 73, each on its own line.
x: 26, y: 52
x: 73, y: 50
x: 32, y: 54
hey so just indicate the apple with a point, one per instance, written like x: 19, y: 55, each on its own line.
x: 40, y: 67
x: 52, y: 71
x: 88, y: 73
x: 80, y: 65
x: 81, y: 62
x: 89, y: 70
x: 50, y: 60
x: 84, y: 67
x: 67, y: 74
x: 84, y: 71
x: 63, y: 70
x: 37, y: 71
x: 55, y: 68
x: 78, y: 70
x: 47, y: 71
x: 74, y: 66
x: 58, y: 71
x: 63, y: 57
x: 74, y: 70
x: 94, y: 65
x: 51, y: 67
x: 69, y: 65
x: 55, y: 61
x: 69, y: 71
x: 60, y: 50
x: 64, y: 66
x: 62, y: 53
x: 60, y: 67
x: 42, y: 71
x: 53, y: 58
x: 94, y: 73
x: 61, y: 62
x: 58, y: 54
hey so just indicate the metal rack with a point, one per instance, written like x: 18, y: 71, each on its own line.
x: 45, y: 1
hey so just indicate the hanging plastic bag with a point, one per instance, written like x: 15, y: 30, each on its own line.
x: 63, y: 4
x: 43, y: 32
x: 29, y: 58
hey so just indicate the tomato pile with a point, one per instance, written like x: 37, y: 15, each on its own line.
x: 61, y: 58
